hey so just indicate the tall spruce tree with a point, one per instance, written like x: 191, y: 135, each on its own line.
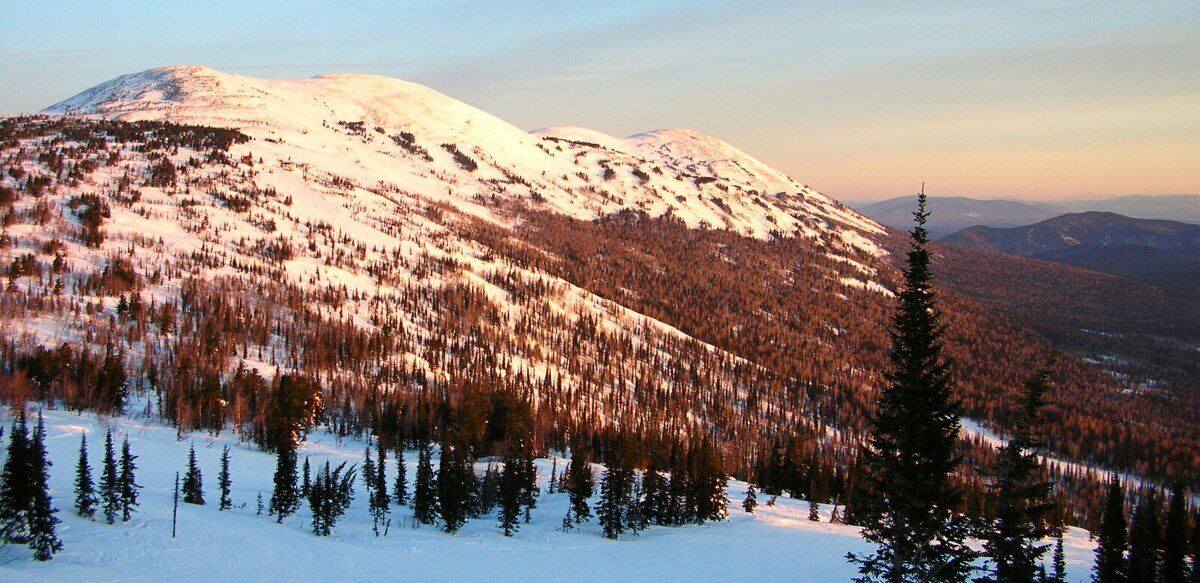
x: 529, y: 478
x: 656, y: 498
x: 708, y: 484
x: 128, y: 491
x: 616, y: 492
x: 510, y: 494
x: 910, y: 514
x: 456, y: 486
x: 1145, y: 541
x: 1175, y: 539
x: 380, y: 501
x: 1059, y: 561
x: 306, y: 479
x: 679, y: 507
x: 285, y: 498
x: 85, y: 489
x: 110, y: 482
x: 193, y: 481
x: 16, y: 484
x: 581, y: 485
x: 400, y: 488
x: 1110, y: 546
x: 223, y: 481
x: 1021, y: 499
x: 368, y: 470
x: 42, y: 537
x: 424, y: 498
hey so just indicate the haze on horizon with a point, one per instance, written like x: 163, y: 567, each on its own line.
x: 1036, y: 100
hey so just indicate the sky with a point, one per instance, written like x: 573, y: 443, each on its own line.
x: 1042, y: 100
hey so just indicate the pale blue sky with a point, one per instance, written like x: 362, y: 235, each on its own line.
x: 862, y: 100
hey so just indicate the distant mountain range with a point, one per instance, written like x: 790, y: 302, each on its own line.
x: 954, y: 213
x: 1171, y: 207
x: 1163, y: 253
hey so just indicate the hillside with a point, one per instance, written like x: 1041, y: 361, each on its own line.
x: 428, y: 272
x: 1162, y: 253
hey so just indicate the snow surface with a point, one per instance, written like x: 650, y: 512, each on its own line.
x: 774, y: 544
x: 575, y: 171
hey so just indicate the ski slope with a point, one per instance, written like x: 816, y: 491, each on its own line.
x: 774, y: 544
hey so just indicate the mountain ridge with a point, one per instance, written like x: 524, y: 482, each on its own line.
x: 746, y: 195
x: 1161, y: 252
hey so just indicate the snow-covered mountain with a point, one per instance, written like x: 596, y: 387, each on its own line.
x: 361, y: 205
x: 418, y: 262
x: 378, y: 129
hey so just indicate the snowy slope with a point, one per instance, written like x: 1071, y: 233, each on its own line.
x: 354, y: 172
x: 575, y: 171
x: 773, y: 544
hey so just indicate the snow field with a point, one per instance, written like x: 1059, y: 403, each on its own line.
x: 774, y: 544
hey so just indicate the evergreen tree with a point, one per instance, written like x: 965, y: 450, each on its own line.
x: 42, y: 538
x: 306, y: 485
x: 285, y: 499
x: 680, y: 510
x: 489, y: 489
x: 16, y: 483
x: 110, y: 482
x: 751, y: 501
x: 223, y: 480
x: 636, y: 518
x: 1174, y: 557
x: 1020, y: 498
x: 1145, y: 544
x: 580, y: 485
x: 708, y: 486
x: 510, y: 494
x: 1060, y: 562
x: 128, y: 482
x: 193, y: 481
x: 910, y: 514
x: 368, y: 470
x: 85, y: 490
x: 529, y: 480
x: 380, y: 502
x: 424, y: 499
x: 456, y: 486
x: 616, y: 491
x: 656, y: 498
x: 1110, y: 546
x: 111, y: 383
x: 330, y: 496
x: 400, y: 489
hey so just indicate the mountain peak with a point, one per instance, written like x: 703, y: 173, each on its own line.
x: 417, y: 139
